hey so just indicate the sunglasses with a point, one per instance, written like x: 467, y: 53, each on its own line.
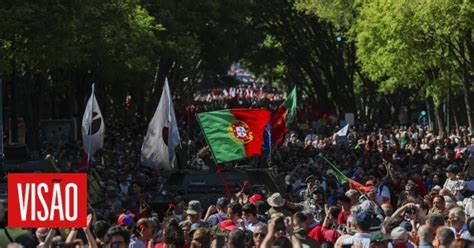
x: 261, y: 234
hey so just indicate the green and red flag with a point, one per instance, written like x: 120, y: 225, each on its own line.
x: 285, y: 115
x: 234, y: 133
x: 342, y: 179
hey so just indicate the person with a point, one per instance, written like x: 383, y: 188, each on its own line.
x: 277, y: 204
x: 308, y: 191
x: 379, y: 240
x: 425, y: 235
x: 400, y: 238
x: 41, y: 234
x: 172, y: 235
x: 250, y: 216
x: 118, y: 236
x: 259, y: 233
x: 344, y: 204
x: 455, y: 186
x: 457, y: 222
x: 9, y: 235
x: 236, y: 239
x: 314, y: 204
x: 146, y: 229
x: 445, y: 236
x: 201, y: 238
x: 221, y: 207
x: 439, y: 205
x: 300, y: 232
x: 100, y: 231
x: 193, y: 213
x: 462, y: 243
x: 127, y: 220
x: 363, y: 221
x: 382, y: 190
x: 354, y: 196
x: 234, y: 213
x: 177, y: 208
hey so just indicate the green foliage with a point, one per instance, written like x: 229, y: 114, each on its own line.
x: 342, y: 13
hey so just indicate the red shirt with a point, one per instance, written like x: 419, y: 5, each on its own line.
x: 342, y: 217
x: 421, y: 187
x: 324, y: 234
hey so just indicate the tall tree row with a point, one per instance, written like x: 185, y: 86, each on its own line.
x: 421, y: 48
x: 53, y: 51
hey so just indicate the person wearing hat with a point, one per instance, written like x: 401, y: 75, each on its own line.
x: 127, y: 220
x: 400, y: 238
x: 379, y: 240
x: 310, y: 184
x: 255, y: 198
x: 277, y: 206
x: 193, y: 215
x: 315, y: 204
x: 455, y: 186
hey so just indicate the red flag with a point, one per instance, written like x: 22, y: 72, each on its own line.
x: 284, y: 116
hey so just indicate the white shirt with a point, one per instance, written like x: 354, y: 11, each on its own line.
x: 124, y: 188
x: 359, y: 239
x: 455, y: 185
x: 250, y: 226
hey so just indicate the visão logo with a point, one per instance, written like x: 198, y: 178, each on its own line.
x: 47, y: 199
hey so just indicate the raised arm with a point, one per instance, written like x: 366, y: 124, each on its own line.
x: 90, y: 238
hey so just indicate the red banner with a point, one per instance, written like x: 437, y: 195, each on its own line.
x: 47, y: 200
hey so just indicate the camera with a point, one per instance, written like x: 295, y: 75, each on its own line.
x: 411, y: 211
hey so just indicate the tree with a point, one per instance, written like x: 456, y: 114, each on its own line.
x: 307, y: 49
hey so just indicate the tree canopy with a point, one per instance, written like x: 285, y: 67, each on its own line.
x: 370, y: 58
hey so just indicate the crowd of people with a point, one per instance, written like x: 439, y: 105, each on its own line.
x: 417, y: 191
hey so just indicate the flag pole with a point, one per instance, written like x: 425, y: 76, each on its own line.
x: 270, y: 141
x: 333, y: 165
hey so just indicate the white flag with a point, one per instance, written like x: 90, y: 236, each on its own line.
x: 343, y: 131
x: 93, y: 126
x: 162, y: 136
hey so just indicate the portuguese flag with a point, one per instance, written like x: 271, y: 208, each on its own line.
x: 234, y: 133
x: 285, y: 115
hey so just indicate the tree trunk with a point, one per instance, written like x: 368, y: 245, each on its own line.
x: 13, y: 110
x: 439, y: 121
x: 455, y: 118
x: 467, y: 98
